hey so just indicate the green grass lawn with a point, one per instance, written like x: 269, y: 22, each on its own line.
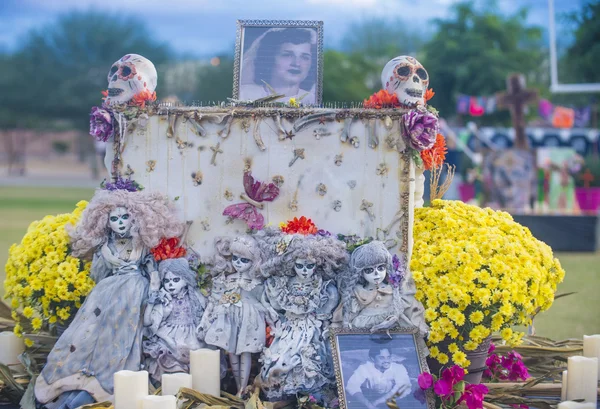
x: 569, y: 317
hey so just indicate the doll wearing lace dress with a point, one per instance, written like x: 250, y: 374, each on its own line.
x: 171, y: 320
x: 303, y: 291
x: 234, y: 319
x: 370, y: 299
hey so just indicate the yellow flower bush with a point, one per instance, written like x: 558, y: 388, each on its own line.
x: 477, y: 271
x: 42, y: 277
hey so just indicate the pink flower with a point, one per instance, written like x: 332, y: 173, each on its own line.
x: 492, y: 348
x: 425, y: 380
x: 473, y: 396
x: 453, y: 375
x: 443, y: 388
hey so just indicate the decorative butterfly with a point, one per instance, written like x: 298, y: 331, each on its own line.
x: 256, y: 193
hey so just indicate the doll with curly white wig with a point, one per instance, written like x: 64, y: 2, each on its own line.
x: 234, y: 319
x: 301, y: 288
x: 117, y: 229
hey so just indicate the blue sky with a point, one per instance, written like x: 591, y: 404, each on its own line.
x: 205, y: 27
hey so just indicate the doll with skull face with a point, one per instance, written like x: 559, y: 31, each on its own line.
x: 234, y: 319
x: 301, y: 288
x: 369, y: 300
x: 118, y: 228
x: 171, y: 319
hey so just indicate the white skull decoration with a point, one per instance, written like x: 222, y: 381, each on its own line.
x: 128, y: 77
x: 405, y: 77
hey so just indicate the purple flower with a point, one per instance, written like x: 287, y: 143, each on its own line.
x: 122, y: 184
x: 323, y: 233
x: 492, y: 348
x: 425, y: 380
x: 420, y: 128
x: 399, y: 271
x: 101, y: 127
x: 453, y: 375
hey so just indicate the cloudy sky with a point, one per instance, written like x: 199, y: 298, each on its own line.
x: 205, y: 27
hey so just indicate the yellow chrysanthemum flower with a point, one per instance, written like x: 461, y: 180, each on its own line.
x: 478, y: 271
x: 41, y: 275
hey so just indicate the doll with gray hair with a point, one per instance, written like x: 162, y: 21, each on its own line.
x: 118, y: 228
x: 234, y: 319
x: 171, y: 319
x: 369, y: 300
x: 301, y: 288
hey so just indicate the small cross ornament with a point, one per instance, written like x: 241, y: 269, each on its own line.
x: 216, y: 150
x: 366, y: 206
x: 298, y: 153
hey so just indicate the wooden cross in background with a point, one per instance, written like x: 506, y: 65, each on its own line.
x: 516, y: 98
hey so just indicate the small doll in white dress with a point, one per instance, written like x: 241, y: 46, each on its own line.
x: 171, y: 320
x: 235, y: 317
x: 301, y: 287
x: 376, y: 294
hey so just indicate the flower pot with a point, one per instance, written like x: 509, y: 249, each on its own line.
x: 588, y: 198
x: 477, y: 358
x: 466, y: 191
x: 61, y: 326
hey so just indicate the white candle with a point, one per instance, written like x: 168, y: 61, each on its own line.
x: 130, y: 388
x: 172, y: 382
x: 582, y: 380
x: 563, y: 387
x: 11, y: 347
x: 591, y: 348
x: 205, y: 366
x: 576, y: 405
x: 159, y: 402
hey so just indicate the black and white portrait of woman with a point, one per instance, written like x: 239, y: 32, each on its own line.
x: 280, y: 59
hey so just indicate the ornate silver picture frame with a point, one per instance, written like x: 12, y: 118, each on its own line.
x: 371, y: 368
x: 283, y: 57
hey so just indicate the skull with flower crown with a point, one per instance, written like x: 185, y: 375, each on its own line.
x: 407, y: 78
x: 129, y: 76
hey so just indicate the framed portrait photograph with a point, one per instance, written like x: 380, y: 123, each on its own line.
x: 370, y: 369
x: 283, y: 57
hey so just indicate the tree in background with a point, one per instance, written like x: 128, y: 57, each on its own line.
x: 353, y: 74
x: 584, y: 55
x: 59, y: 70
x: 473, y: 51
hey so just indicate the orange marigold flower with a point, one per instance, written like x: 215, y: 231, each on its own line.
x: 299, y: 226
x: 104, y: 93
x: 429, y: 94
x: 168, y: 248
x: 142, y: 97
x: 382, y: 99
x: 434, y: 157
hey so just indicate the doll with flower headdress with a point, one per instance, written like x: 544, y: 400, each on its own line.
x: 301, y: 288
x: 118, y: 228
x: 173, y: 314
x: 235, y: 317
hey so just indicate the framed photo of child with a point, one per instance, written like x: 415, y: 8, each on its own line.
x: 374, y: 368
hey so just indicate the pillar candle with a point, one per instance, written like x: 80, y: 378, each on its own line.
x: 563, y: 387
x: 130, y: 388
x: 582, y: 380
x: 205, y: 366
x: 172, y: 382
x: 11, y: 347
x: 591, y: 348
x: 159, y: 402
x: 576, y: 405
